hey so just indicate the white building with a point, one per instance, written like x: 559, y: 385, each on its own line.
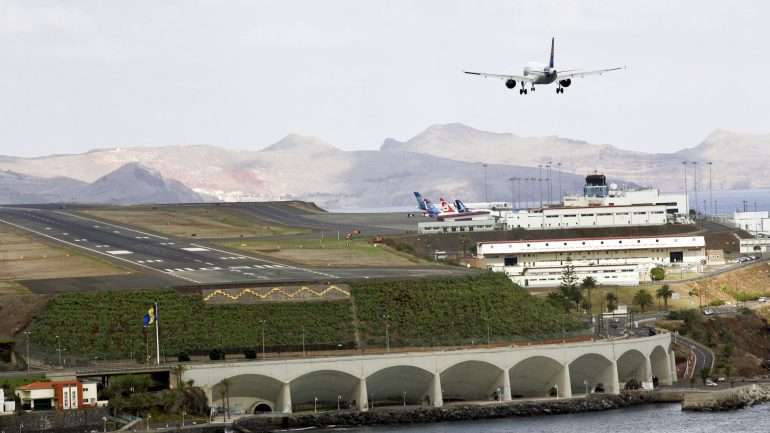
x: 586, y: 217
x: 6, y: 407
x: 755, y: 246
x: 487, y: 224
x: 596, y: 192
x: 615, y: 260
x: 756, y: 223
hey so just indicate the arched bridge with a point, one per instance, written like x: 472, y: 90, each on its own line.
x: 433, y: 378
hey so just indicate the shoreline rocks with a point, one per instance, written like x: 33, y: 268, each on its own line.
x: 458, y: 412
x: 726, y: 399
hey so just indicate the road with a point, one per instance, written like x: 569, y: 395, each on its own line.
x: 703, y: 356
x: 182, y: 260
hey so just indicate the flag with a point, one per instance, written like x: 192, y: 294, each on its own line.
x: 149, y: 317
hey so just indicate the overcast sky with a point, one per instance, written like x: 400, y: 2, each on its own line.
x: 79, y: 75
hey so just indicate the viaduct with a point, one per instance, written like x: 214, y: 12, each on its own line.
x: 435, y: 378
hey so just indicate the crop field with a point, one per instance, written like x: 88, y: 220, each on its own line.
x: 109, y: 325
x: 205, y: 222
x: 456, y: 311
x: 419, y: 313
x: 23, y: 257
x: 328, y: 252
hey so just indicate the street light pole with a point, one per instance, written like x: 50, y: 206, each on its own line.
x: 695, y: 185
x: 558, y: 169
x: 686, y: 192
x: 263, y: 338
x: 711, y: 196
x: 486, y: 199
x: 513, y: 190
x: 540, y: 182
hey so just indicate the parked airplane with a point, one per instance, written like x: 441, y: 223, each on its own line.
x: 446, y: 210
x: 538, y: 73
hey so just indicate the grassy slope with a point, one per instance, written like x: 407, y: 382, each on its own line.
x: 188, y: 221
x: 329, y: 252
x: 422, y: 312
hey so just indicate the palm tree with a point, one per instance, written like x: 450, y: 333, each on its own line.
x: 588, y: 283
x: 612, y: 302
x: 664, y: 293
x: 643, y: 299
x: 177, y: 372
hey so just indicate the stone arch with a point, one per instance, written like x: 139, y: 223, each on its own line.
x: 472, y: 381
x: 592, y: 373
x: 392, y: 385
x: 261, y: 408
x: 632, y: 365
x: 661, y: 365
x: 535, y: 376
x: 246, y: 391
x: 324, y: 387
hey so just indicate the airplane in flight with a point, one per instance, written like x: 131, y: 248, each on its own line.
x: 538, y: 73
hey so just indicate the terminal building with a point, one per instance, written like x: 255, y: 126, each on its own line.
x: 586, y: 217
x: 612, y: 261
x: 596, y: 193
x: 601, y: 205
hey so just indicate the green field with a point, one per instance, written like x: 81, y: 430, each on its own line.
x: 204, y: 222
x: 327, y: 252
x: 419, y: 313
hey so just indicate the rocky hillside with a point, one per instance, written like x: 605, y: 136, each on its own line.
x: 442, y: 160
x: 737, y: 157
x: 130, y: 184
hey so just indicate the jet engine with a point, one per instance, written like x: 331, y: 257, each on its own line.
x: 510, y: 83
x: 565, y: 83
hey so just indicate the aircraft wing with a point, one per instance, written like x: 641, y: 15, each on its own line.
x: 580, y: 73
x: 501, y: 76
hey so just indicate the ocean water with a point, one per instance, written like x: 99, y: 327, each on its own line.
x: 666, y: 418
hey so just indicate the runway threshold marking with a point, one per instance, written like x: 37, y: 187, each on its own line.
x: 323, y: 274
x: 119, y: 252
x: 91, y: 249
x: 195, y: 249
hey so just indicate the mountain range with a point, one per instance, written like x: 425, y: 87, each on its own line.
x: 444, y: 159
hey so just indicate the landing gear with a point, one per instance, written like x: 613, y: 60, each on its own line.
x: 532, y: 89
x: 560, y: 90
x: 522, y: 91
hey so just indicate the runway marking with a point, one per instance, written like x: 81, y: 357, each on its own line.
x: 239, y: 267
x: 119, y: 252
x: 189, y: 269
x: 91, y: 249
x: 169, y: 270
x: 323, y: 274
x: 194, y: 249
x: 111, y: 225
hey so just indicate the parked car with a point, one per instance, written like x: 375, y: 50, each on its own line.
x: 710, y: 382
x: 708, y: 312
x: 762, y: 299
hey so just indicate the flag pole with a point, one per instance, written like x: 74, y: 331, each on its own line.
x: 157, y: 337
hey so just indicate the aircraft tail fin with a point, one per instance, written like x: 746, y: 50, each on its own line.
x: 550, y: 62
x: 461, y: 206
x: 430, y: 208
x: 420, y: 201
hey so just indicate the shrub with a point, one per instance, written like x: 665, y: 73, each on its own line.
x: 716, y: 303
x: 632, y: 385
x: 183, y: 357
x: 216, y: 354
x: 658, y: 274
x: 250, y: 354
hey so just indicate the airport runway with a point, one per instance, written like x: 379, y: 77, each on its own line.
x: 181, y: 260
x: 187, y: 261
